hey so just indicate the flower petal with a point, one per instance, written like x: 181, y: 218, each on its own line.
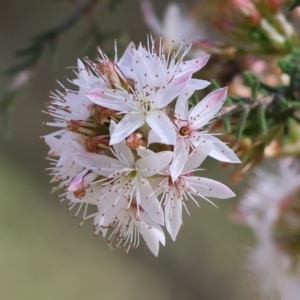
x: 196, y: 158
x: 100, y: 164
x: 172, y: 89
x: 126, y: 59
x: 140, y: 69
x: 181, y: 108
x: 109, y: 98
x: 111, y: 204
x: 198, y: 84
x: 150, y: 165
x: 182, y: 105
x: 173, y: 216
x: 79, y: 146
x: 153, y: 138
x: 207, y: 108
x: 194, y: 65
x: 148, y: 201
x: 162, y: 126
x: 144, y: 152
x: 126, y: 126
x: 208, y: 187
x: 122, y: 151
x: 152, y: 236
x: 150, y: 18
x: 220, y: 150
x: 181, y: 153
x: 148, y: 69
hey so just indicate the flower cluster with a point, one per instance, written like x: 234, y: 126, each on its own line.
x: 177, y: 25
x: 129, y: 145
x: 271, y: 208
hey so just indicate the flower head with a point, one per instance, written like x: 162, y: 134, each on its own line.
x: 179, y: 186
x: 177, y: 26
x: 123, y: 148
x: 126, y: 227
x: 158, y: 79
x: 271, y: 208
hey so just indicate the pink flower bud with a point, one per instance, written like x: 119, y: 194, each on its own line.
x: 82, y: 181
x: 111, y: 73
x: 135, y: 140
x: 248, y: 9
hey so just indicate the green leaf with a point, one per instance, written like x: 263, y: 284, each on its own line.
x: 250, y: 78
x: 226, y: 122
x: 262, y: 118
x: 254, y: 89
x: 194, y: 99
x: 215, y: 84
x: 242, y: 122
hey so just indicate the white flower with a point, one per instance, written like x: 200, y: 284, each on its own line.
x: 73, y: 105
x: 277, y: 274
x: 190, y: 123
x: 158, y: 80
x: 82, y: 199
x: 271, y: 208
x: 72, y: 177
x: 178, y: 186
x: 63, y: 170
x: 126, y: 227
x: 71, y: 109
x: 109, y: 151
x: 126, y: 179
x: 269, y: 188
x: 65, y: 108
x: 177, y: 25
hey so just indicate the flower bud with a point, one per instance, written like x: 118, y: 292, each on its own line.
x: 80, y: 182
x: 248, y: 10
x: 95, y: 143
x: 135, y: 140
x: 273, y: 149
x: 104, y: 114
x: 111, y: 73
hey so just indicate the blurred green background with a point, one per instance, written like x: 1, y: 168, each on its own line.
x: 43, y: 253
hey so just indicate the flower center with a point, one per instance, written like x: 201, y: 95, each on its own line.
x: 185, y: 131
x: 132, y: 174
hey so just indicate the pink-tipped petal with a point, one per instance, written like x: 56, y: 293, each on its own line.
x: 150, y: 18
x: 207, y: 108
x: 198, y: 84
x: 220, y: 150
x: 195, y: 65
x: 209, y: 188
